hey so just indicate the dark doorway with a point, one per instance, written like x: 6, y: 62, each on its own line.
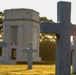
x: 14, y: 53
x: 0, y: 51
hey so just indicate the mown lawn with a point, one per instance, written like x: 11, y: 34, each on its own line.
x: 73, y: 74
x: 22, y: 70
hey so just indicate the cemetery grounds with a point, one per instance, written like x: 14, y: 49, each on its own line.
x: 21, y: 69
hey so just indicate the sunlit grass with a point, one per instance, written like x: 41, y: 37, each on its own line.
x: 22, y: 70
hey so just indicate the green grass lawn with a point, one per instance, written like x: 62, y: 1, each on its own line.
x: 73, y: 74
x: 22, y: 70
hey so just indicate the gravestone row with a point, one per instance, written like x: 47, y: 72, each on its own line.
x: 63, y: 29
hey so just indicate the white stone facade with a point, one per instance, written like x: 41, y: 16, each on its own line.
x: 20, y: 26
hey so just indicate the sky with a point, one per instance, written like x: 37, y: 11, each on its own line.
x: 47, y: 8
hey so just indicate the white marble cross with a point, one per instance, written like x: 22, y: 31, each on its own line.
x: 30, y: 50
x: 63, y: 29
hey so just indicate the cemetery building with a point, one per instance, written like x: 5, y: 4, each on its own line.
x: 20, y: 26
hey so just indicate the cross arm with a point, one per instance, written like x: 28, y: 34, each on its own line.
x: 3, y: 44
x: 49, y: 27
x: 25, y: 50
x: 34, y: 50
x: 28, y: 50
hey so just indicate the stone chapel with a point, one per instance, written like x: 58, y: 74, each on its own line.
x: 20, y: 26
